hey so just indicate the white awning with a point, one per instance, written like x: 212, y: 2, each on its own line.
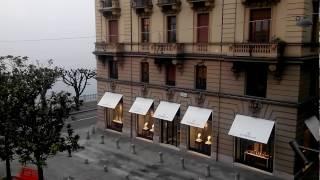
x: 166, y: 110
x: 196, y: 117
x: 110, y: 100
x: 141, y: 106
x: 251, y: 128
x: 313, y: 125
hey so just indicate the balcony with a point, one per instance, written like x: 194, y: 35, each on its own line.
x: 260, y: 50
x: 108, y: 48
x: 110, y: 8
x: 169, y: 6
x: 201, y: 5
x: 143, y: 7
x: 166, y: 49
x: 259, y: 3
x: 202, y: 48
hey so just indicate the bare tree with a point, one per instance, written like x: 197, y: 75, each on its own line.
x: 78, y: 79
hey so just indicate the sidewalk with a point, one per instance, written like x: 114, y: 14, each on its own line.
x: 145, y: 163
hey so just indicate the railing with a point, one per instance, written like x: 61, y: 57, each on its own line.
x: 254, y: 49
x: 167, y: 2
x: 88, y: 97
x: 142, y: 3
x: 109, y: 47
x: 202, y: 48
x: 166, y: 48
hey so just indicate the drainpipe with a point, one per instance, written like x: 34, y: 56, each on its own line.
x: 131, y: 90
x: 219, y: 91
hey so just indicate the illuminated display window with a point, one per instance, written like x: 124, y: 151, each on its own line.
x: 255, y: 154
x: 115, y: 117
x: 200, y: 139
x: 145, y: 125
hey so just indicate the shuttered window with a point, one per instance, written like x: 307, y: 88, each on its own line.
x: 260, y: 21
x: 202, y: 28
x: 171, y: 75
x: 113, y: 31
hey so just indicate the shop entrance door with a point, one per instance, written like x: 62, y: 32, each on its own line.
x: 170, y: 132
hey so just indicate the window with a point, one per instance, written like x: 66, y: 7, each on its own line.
x: 201, y: 77
x: 200, y: 139
x: 260, y: 20
x: 256, y: 79
x: 170, y: 131
x: 113, y: 31
x: 255, y: 154
x: 171, y: 75
x: 114, y: 117
x: 145, y: 72
x: 145, y: 29
x: 202, y: 28
x: 113, y: 69
x: 171, y: 25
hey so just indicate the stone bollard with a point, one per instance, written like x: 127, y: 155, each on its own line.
x: 105, y: 168
x: 237, y: 176
x: 102, y: 139
x: 182, y: 163
x: 93, y: 131
x: 160, y: 157
x: 133, y: 149
x: 86, y: 161
x: 88, y: 135
x: 207, y: 174
x: 117, y: 143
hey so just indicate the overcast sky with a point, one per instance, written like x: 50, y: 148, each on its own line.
x: 49, y: 19
x: 37, y: 20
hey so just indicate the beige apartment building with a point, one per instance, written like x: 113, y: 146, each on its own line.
x: 230, y: 80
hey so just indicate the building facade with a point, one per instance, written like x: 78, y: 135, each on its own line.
x: 233, y: 80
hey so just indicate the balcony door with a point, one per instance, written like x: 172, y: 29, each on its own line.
x: 202, y: 28
x: 171, y: 29
x: 113, y: 31
x: 260, y: 21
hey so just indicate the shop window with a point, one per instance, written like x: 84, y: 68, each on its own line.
x: 145, y: 29
x: 202, y: 28
x: 145, y: 125
x: 170, y: 75
x: 115, y: 117
x: 113, y: 31
x: 113, y: 69
x: 260, y: 20
x: 201, y: 77
x: 170, y: 131
x: 255, y: 154
x: 171, y: 29
x: 145, y: 72
x: 256, y: 79
x: 200, y: 139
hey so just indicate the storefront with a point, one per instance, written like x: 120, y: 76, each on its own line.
x: 169, y: 116
x: 254, y: 141
x: 199, y: 121
x: 143, y: 109
x: 113, y: 104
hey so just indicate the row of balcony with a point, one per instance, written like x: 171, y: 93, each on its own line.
x: 144, y: 7
x: 259, y: 50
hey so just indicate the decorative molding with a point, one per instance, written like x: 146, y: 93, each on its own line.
x: 255, y: 106
x: 201, y: 5
x: 260, y: 3
x: 200, y: 98
x: 144, y: 90
x: 170, y: 93
x: 113, y: 85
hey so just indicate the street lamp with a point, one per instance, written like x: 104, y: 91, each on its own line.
x: 297, y: 149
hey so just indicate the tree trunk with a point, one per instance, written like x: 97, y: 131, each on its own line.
x: 8, y: 169
x: 77, y: 101
x: 40, y: 172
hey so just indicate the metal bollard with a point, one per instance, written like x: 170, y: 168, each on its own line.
x: 105, y: 168
x: 133, y: 149
x: 102, y: 139
x: 93, y: 131
x: 237, y: 176
x: 207, y: 171
x: 88, y: 135
x: 182, y: 163
x: 86, y: 161
x: 117, y: 143
x: 160, y: 157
